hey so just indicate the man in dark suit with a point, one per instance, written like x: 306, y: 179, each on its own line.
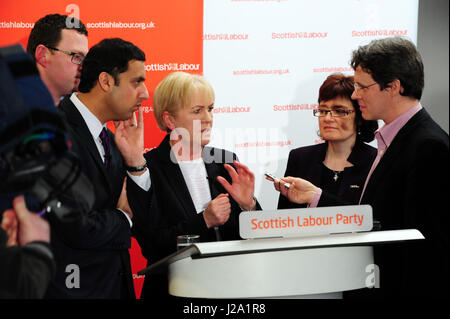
x: 92, y: 253
x: 407, y: 185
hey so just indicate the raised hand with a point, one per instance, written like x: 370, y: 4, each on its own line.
x: 129, y: 138
x: 242, y: 187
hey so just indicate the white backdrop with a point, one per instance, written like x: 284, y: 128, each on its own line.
x: 266, y: 60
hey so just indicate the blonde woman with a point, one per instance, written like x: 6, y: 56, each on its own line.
x: 195, y: 189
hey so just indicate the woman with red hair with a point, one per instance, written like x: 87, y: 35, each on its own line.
x: 341, y: 164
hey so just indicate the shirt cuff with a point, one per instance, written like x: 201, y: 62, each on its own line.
x: 316, y: 199
x: 40, y: 247
x: 128, y: 217
x: 143, y: 181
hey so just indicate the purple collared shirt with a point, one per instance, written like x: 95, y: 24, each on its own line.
x: 385, y: 135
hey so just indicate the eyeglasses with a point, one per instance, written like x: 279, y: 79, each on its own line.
x: 77, y: 58
x: 334, y: 113
x: 359, y: 87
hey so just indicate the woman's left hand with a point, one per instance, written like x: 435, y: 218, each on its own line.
x: 242, y: 187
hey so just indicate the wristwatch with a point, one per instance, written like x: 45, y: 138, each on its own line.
x: 136, y: 168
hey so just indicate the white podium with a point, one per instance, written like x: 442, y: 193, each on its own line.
x: 304, y: 267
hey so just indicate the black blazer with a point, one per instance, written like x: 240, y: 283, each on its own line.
x: 409, y: 189
x: 98, y: 243
x: 306, y: 162
x: 167, y: 210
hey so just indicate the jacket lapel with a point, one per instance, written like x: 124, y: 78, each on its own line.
x: 391, y: 154
x: 215, y: 168
x: 175, y: 177
x: 212, y: 173
x: 82, y: 134
x: 314, y: 174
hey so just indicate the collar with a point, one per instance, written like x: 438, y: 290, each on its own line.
x: 93, y: 123
x: 359, y: 154
x: 387, y: 133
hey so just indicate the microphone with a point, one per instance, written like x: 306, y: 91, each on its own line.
x: 216, y: 228
x: 217, y: 232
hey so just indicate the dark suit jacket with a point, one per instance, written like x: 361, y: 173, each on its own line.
x: 409, y: 189
x: 97, y: 243
x: 306, y: 162
x: 167, y: 210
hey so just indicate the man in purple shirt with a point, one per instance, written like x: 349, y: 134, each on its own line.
x: 407, y: 185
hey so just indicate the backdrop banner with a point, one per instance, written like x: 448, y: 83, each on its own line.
x: 266, y: 60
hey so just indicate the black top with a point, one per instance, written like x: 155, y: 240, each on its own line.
x: 331, y: 179
x: 307, y: 163
x: 166, y: 210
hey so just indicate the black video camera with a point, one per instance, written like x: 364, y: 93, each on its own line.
x: 35, y: 157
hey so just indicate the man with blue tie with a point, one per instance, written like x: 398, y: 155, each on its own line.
x: 92, y: 254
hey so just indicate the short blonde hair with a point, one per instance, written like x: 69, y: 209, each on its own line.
x: 176, y: 91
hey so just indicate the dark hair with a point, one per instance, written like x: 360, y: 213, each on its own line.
x: 47, y: 30
x: 389, y: 59
x: 111, y: 56
x: 339, y: 85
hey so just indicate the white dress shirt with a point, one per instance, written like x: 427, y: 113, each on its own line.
x: 194, y: 173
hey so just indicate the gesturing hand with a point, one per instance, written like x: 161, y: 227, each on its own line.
x: 242, y: 187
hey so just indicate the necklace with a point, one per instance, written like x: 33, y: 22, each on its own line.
x: 336, y: 175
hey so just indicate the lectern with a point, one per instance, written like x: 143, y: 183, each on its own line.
x: 303, y: 267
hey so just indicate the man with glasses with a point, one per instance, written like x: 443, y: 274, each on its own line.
x: 59, y: 49
x: 407, y: 185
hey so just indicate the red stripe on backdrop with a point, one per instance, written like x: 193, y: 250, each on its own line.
x: 169, y: 32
